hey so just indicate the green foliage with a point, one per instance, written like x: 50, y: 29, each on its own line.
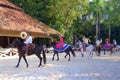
x: 66, y: 16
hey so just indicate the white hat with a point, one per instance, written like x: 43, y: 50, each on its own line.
x: 23, y: 35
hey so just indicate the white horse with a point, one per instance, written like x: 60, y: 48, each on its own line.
x: 89, y: 48
x: 117, y: 49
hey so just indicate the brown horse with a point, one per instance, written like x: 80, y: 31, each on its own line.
x: 38, y: 50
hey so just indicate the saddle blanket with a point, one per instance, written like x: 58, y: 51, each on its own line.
x: 62, y: 49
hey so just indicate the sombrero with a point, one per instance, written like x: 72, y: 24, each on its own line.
x: 23, y: 35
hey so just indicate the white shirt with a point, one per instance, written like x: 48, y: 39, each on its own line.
x: 97, y: 42
x: 28, y: 40
x: 115, y: 43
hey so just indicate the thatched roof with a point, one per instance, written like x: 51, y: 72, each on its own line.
x: 13, y: 20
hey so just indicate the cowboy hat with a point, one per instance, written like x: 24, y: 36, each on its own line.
x: 23, y: 35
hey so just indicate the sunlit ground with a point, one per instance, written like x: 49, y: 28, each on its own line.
x: 104, y: 67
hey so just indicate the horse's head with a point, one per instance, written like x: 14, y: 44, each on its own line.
x: 52, y: 43
x: 16, y: 42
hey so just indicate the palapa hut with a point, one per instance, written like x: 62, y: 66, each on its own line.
x: 13, y: 21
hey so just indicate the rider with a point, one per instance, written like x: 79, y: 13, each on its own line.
x: 114, y: 43
x: 98, y: 42
x: 28, y: 41
x: 85, y: 42
x: 60, y: 43
x: 107, y: 43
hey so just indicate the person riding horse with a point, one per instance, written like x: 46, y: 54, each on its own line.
x: 107, y: 44
x: 85, y: 43
x: 60, y: 46
x: 60, y: 43
x: 114, y: 43
x: 98, y: 46
x: 28, y: 41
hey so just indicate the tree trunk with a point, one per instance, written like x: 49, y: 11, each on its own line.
x: 96, y: 26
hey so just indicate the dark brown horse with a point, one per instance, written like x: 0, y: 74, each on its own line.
x: 98, y: 49
x: 38, y: 50
x: 67, y: 51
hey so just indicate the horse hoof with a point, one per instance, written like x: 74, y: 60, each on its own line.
x: 52, y: 59
x: 27, y: 66
x: 82, y: 55
x: 16, y: 66
x: 39, y: 65
x: 65, y: 56
x: 58, y: 59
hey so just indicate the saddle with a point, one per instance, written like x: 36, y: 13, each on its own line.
x: 62, y: 49
x: 31, y: 46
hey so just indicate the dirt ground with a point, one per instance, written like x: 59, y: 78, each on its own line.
x: 104, y: 67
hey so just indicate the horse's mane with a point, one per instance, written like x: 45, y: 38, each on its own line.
x: 18, y: 42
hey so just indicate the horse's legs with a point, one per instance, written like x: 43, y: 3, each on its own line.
x: 25, y: 61
x: 81, y: 52
x: 111, y: 50
x: 99, y: 49
x: 55, y: 53
x: 53, y: 57
x: 90, y: 54
x: 104, y: 51
x: 68, y: 53
x: 57, y: 56
x: 40, y: 58
x: 69, y: 56
x: 18, y: 61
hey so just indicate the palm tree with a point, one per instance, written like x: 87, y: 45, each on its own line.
x: 96, y: 9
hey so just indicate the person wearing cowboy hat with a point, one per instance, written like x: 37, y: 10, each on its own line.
x: 28, y: 41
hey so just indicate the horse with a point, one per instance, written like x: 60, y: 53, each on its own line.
x: 79, y: 47
x: 37, y: 50
x: 88, y: 48
x: 117, y: 49
x: 111, y: 48
x: 67, y: 49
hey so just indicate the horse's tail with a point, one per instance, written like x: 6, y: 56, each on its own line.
x: 44, y: 57
x: 72, y: 51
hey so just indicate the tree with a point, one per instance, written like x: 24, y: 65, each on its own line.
x: 63, y: 13
x: 75, y: 16
x: 97, y: 7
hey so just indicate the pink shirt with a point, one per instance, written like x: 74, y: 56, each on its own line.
x: 60, y: 44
